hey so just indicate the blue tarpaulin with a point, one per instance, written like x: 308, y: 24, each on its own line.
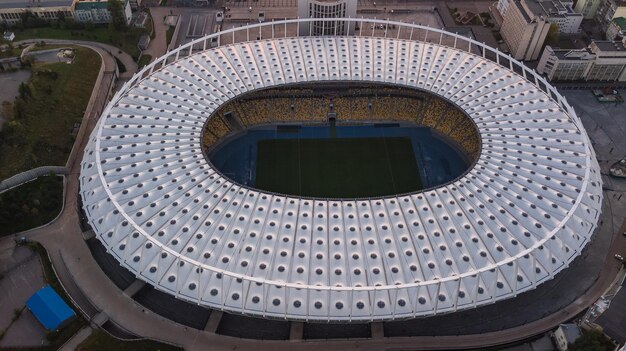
x: 49, y: 308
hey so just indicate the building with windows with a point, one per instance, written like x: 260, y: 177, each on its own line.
x: 560, y: 64
x: 565, y: 335
x: 8, y: 36
x: 523, y: 31
x: 587, y: 8
x: 608, y: 10
x: 601, y: 61
x: 327, y: 9
x: 560, y: 12
x: 95, y: 11
x: 503, y: 5
x: 12, y: 11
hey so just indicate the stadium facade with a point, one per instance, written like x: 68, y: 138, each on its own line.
x: 524, y: 210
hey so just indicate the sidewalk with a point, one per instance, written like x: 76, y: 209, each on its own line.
x: 77, y: 339
x: 158, y: 45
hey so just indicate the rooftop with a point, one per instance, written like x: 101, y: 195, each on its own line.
x: 571, y: 331
x: 576, y: 55
x: 10, y: 4
x: 86, y: 5
x: 522, y: 10
x: 620, y: 22
x: 49, y: 308
x: 446, y: 249
x: 549, y: 8
x: 606, y: 45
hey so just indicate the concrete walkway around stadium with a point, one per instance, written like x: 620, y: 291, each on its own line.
x: 158, y: 45
x: 77, y: 339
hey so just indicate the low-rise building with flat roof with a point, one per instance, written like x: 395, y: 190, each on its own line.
x: 601, y: 61
x: 8, y: 36
x: 12, y: 11
x: 565, y: 335
x: 559, y: 12
x: 96, y: 11
x: 560, y: 64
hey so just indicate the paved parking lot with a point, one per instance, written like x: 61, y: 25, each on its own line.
x: 22, y: 277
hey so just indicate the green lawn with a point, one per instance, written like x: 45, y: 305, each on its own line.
x: 169, y: 34
x: 40, y: 133
x: 101, y: 341
x: 144, y: 60
x: 124, y: 40
x: 30, y: 205
x: 10, y: 52
x: 342, y: 167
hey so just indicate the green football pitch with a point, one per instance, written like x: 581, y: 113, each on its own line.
x: 337, y: 167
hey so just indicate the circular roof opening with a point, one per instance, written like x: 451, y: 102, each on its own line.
x: 341, y: 140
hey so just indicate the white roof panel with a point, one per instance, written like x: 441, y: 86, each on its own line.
x: 523, y: 211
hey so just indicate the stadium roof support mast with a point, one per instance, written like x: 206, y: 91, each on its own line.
x: 571, y: 226
x: 361, y: 26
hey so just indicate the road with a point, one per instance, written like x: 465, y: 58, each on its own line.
x: 108, y: 53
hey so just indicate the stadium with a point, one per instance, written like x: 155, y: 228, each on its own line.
x: 490, y: 185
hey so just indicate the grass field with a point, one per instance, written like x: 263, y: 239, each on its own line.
x: 40, y: 131
x: 30, y: 205
x: 144, y: 60
x: 343, y: 167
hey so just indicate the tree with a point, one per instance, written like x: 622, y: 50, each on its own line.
x: 593, y: 340
x: 118, y: 19
x: 24, y: 91
x: 61, y: 16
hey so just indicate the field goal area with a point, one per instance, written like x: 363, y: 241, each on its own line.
x: 337, y: 167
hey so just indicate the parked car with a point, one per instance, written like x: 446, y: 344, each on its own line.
x: 619, y: 257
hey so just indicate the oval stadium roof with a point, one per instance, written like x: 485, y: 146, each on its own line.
x: 523, y: 212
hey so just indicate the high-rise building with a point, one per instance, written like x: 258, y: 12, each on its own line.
x: 523, y: 31
x: 326, y: 9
